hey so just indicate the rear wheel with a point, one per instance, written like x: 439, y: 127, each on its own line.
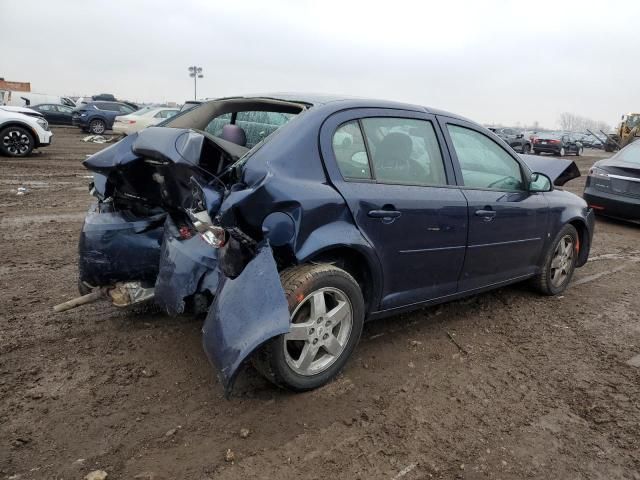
x: 559, y: 262
x: 97, y: 126
x: 16, y: 141
x: 327, y: 314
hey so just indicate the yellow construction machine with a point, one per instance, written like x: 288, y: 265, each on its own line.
x: 628, y: 130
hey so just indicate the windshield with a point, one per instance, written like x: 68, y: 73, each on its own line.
x: 630, y: 154
x: 633, y: 120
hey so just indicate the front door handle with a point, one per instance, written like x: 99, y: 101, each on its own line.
x: 487, y: 215
x: 384, y: 213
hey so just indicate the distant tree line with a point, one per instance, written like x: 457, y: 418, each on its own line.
x: 576, y: 123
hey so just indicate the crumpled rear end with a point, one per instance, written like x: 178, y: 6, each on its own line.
x: 188, y: 267
x: 119, y: 246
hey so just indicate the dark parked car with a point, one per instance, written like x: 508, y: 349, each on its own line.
x: 613, y: 185
x: 351, y: 210
x: 54, y: 113
x: 514, y: 138
x: 557, y: 143
x: 98, y: 117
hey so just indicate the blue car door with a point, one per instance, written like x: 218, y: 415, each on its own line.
x: 507, y: 223
x: 399, y: 185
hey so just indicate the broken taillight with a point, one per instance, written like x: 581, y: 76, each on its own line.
x: 214, y: 236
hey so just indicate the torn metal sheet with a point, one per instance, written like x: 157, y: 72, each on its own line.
x: 126, y: 294
x: 246, y: 312
x: 187, y: 266
x: 118, y: 246
x: 560, y: 171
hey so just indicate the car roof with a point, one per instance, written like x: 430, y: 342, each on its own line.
x: 316, y: 99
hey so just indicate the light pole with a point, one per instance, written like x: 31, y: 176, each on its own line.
x: 195, y: 72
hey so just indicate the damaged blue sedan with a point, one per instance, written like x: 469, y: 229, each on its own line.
x: 290, y: 220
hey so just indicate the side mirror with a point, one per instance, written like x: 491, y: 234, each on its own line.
x: 540, y: 183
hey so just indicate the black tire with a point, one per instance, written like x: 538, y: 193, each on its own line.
x: 97, y: 126
x: 526, y: 148
x: 543, y: 281
x: 562, y: 152
x: 298, y: 283
x: 579, y: 151
x: 16, y: 141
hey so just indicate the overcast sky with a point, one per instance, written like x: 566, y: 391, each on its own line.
x: 492, y: 61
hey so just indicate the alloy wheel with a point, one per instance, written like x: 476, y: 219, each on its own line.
x: 562, y: 261
x: 16, y: 142
x: 97, y: 127
x: 320, y: 329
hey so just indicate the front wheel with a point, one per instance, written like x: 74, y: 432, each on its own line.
x: 16, y: 141
x: 563, y: 152
x: 579, y: 151
x: 559, y: 262
x: 327, y: 314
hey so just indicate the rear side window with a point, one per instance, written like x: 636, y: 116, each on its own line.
x: 483, y: 162
x: 404, y: 150
x: 350, y: 152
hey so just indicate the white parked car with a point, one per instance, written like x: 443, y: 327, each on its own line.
x: 22, y: 130
x: 29, y: 99
x: 133, y: 122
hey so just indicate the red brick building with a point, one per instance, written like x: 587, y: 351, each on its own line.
x: 15, y: 86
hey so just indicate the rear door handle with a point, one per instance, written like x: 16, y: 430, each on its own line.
x: 488, y: 215
x: 384, y: 213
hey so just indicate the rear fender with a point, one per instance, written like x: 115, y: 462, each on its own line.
x: 246, y: 312
x: 344, y: 234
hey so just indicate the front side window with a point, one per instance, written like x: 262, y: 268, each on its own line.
x: 483, y: 162
x: 404, y: 150
x: 350, y: 152
x: 46, y: 108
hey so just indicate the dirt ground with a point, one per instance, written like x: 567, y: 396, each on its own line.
x: 505, y: 385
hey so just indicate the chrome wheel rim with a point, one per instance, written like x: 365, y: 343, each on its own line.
x: 562, y: 261
x: 16, y: 142
x: 97, y: 127
x: 562, y: 152
x: 320, y: 329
